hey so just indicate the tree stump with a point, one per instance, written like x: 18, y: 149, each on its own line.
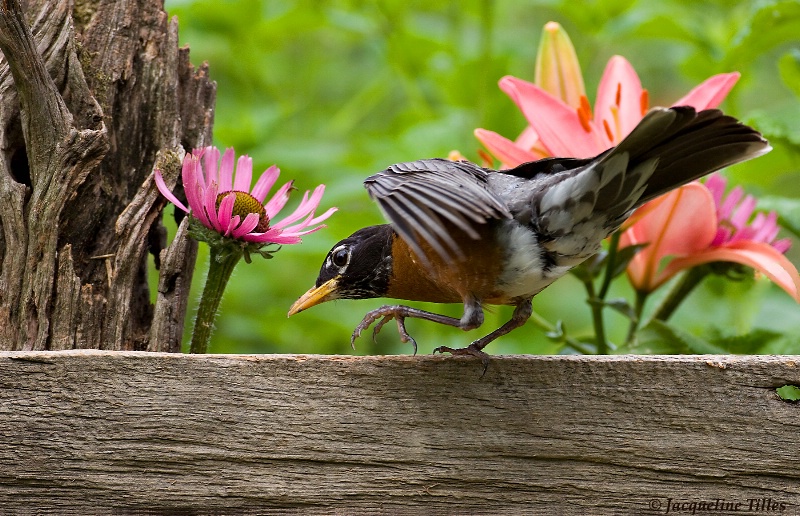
x: 90, y: 93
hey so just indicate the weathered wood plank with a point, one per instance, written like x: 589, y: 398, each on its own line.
x: 93, y: 432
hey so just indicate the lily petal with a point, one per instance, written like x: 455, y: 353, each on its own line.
x: 619, y: 95
x: 559, y: 127
x: 758, y: 255
x: 509, y: 153
x: 684, y: 222
x: 529, y: 140
x: 641, y: 212
x: 711, y: 92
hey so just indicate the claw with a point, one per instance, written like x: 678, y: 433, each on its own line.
x: 385, y: 314
x: 378, y: 327
x: 404, y: 336
x: 357, y: 332
x: 471, y: 350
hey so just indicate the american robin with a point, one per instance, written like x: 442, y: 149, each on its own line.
x: 460, y: 233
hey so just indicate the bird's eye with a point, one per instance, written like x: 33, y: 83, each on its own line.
x: 341, y: 257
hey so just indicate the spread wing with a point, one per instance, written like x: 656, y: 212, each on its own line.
x: 418, y: 197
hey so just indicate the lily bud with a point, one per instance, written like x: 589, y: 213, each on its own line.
x: 557, y: 69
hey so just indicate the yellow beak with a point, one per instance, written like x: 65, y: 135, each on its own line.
x: 315, y: 296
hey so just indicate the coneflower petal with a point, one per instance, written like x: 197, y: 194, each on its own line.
x: 226, y: 210
x: 162, y: 187
x: 248, y: 224
x: 265, y: 182
x: 278, y: 200
x: 226, y: 170
x: 210, y: 205
x: 244, y: 174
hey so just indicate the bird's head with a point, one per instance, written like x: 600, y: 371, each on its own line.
x: 357, y: 267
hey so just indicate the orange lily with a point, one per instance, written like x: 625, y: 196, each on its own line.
x: 558, y: 112
x: 694, y: 224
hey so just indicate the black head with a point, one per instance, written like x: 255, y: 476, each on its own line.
x: 357, y: 267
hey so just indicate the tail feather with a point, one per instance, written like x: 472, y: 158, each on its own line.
x: 688, y: 145
x: 574, y: 209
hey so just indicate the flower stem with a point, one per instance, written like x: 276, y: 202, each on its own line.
x: 641, y: 297
x: 596, y: 301
x: 675, y: 297
x: 611, y: 264
x: 220, y: 268
x: 597, y: 320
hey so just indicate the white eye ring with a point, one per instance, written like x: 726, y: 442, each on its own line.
x: 339, y: 254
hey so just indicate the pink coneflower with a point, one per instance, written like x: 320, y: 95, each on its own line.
x: 734, y: 217
x: 223, y: 201
x: 233, y: 219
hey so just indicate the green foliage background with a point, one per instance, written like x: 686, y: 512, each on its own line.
x: 335, y: 91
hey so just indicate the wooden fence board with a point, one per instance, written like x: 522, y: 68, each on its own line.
x: 94, y: 432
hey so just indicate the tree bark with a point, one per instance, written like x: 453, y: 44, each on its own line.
x: 90, y: 92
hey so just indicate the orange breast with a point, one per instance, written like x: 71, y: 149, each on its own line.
x: 448, y: 281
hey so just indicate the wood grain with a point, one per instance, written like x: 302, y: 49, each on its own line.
x: 95, y: 432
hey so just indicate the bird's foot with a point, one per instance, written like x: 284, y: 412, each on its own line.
x: 471, y: 350
x: 385, y: 314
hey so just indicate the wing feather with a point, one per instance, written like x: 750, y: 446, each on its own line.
x: 419, y: 196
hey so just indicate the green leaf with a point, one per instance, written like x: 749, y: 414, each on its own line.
x: 622, y: 306
x: 558, y: 334
x: 590, y: 269
x: 776, y: 125
x: 789, y: 392
x: 651, y: 340
x: 752, y: 342
x: 666, y: 27
x: 789, y: 67
x: 772, y: 24
x: 659, y: 336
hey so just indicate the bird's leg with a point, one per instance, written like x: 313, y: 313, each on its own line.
x: 473, y: 317
x: 521, y: 314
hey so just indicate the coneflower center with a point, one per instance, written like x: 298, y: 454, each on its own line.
x: 244, y: 205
